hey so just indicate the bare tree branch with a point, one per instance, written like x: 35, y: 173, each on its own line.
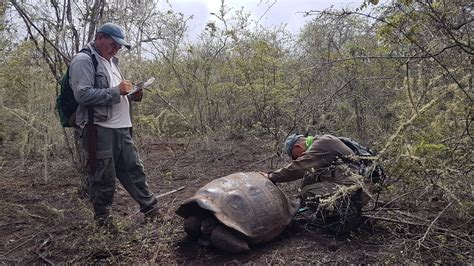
x: 27, y: 20
x: 429, y: 54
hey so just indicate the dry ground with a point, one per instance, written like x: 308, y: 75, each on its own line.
x: 44, y: 221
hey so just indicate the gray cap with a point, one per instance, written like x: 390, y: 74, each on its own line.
x: 289, y: 143
x: 114, y: 31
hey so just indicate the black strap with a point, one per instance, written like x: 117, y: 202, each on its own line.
x: 88, y: 52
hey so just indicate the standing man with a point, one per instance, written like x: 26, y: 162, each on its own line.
x: 332, y: 185
x: 104, y: 115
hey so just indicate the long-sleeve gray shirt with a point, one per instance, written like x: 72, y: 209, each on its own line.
x: 99, y: 96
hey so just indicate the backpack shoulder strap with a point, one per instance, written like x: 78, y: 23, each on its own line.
x: 357, y: 148
x: 89, y: 53
x: 95, y: 63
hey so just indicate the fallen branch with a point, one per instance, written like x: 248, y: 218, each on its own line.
x: 420, y: 242
x: 20, y: 245
x: 44, y: 258
x: 390, y: 202
x: 28, y: 240
x: 38, y: 252
x: 273, y: 258
x: 26, y: 211
x: 13, y: 223
x: 451, y: 233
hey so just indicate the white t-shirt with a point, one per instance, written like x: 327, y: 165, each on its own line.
x: 121, y: 111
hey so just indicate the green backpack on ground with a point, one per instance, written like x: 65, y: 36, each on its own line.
x: 66, y: 104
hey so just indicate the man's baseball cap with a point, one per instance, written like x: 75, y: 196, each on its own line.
x: 116, y: 32
x: 290, y: 142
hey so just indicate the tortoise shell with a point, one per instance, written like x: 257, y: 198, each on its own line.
x: 247, y: 202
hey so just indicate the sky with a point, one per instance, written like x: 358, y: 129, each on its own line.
x: 268, y: 12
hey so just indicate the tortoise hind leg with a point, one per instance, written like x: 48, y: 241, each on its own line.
x: 225, y: 239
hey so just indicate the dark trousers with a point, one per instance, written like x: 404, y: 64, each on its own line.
x: 116, y: 157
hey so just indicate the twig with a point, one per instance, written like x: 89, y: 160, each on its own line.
x: 26, y: 211
x: 273, y: 257
x: 259, y: 161
x: 403, y: 126
x: 43, y: 257
x: 410, y: 94
x: 412, y: 40
x: 28, y: 240
x: 20, y: 245
x: 176, y: 110
x: 390, y: 202
x: 450, y: 232
x: 420, y: 242
x: 407, y: 214
x: 28, y: 119
x: 13, y: 223
x: 159, y: 196
x: 384, y: 209
x: 179, y: 155
x: 28, y: 20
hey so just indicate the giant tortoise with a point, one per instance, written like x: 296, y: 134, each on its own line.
x: 237, y: 211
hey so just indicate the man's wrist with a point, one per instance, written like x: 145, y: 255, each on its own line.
x: 270, y: 176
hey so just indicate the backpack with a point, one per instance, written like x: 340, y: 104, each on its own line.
x: 368, y: 167
x: 66, y: 104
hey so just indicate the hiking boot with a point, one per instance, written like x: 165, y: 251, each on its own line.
x: 107, y: 225
x: 152, y: 215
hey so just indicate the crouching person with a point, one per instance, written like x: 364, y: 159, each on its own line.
x: 334, y: 187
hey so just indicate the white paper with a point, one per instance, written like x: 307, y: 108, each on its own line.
x: 145, y: 85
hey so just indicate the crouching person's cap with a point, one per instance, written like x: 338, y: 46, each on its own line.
x: 290, y: 142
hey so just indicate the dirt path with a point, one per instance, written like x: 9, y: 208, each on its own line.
x: 44, y: 221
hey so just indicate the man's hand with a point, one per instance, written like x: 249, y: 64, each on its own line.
x: 264, y: 174
x: 267, y: 175
x: 125, y: 87
x: 138, y: 94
